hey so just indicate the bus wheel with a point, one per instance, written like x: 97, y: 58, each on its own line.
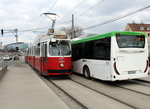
x: 86, y: 72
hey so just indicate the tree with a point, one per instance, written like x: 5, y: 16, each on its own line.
x: 91, y: 34
x: 78, y: 31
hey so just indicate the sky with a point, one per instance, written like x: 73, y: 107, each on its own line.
x: 27, y: 17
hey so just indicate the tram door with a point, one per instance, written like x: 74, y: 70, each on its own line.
x: 43, y: 56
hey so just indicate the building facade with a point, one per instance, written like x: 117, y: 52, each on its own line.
x: 140, y: 27
x: 20, y: 45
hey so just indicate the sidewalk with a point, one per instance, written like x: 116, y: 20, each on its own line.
x: 21, y: 88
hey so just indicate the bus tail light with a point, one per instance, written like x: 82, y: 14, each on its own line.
x: 115, y: 68
x: 142, y: 34
x: 147, y: 64
x: 117, y: 33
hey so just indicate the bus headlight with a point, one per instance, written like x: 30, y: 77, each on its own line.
x: 62, y: 65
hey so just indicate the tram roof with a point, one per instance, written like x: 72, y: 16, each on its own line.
x: 101, y: 36
x: 46, y: 37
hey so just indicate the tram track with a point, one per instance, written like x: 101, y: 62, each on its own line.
x: 133, y: 90
x: 143, y: 81
x: 75, y: 100
x: 130, y: 102
x: 83, y: 105
x: 118, y: 100
x: 46, y: 80
x: 64, y: 96
x: 128, y: 88
x: 73, y: 103
x: 146, y: 84
x: 112, y: 99
x: 134, y: 86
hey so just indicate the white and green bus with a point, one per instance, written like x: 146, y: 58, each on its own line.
x: 112, y: 56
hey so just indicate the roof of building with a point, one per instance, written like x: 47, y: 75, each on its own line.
x: 137, y: 27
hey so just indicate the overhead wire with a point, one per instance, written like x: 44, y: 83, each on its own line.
x: 33, y: 29
x: 53, y: 5
x: 83, y: 13
x: 27, y: 30
x: 100, y: 24
x: 73, y: 9
x: 51, y: 9
x: 115, y: 19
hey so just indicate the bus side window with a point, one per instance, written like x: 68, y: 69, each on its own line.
x: 88, y: 49
x: 77, y: 51
x: 99, y: 50
x: 102, y: 49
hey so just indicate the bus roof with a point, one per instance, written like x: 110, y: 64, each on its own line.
x: 101, y: 36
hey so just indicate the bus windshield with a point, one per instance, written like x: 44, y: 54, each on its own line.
x: 130, y: 41
x: 59, y: 49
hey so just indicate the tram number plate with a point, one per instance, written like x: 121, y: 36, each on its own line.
x: 131, y: 72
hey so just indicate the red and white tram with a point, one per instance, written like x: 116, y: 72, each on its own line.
x: 51, y: 54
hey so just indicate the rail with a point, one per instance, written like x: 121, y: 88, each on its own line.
x: 3, y: 68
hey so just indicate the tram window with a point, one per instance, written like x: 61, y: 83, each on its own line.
x: 65, y: 49
x: 45, y: 50
x: 57, y: 49
x: 37, y: 50
x: 54, y: 50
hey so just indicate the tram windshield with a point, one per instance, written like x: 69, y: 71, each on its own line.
x: 126, y: 41
x: 59, y: 49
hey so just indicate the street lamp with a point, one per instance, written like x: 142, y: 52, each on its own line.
x: 16, y: 35
x: 53, y: 17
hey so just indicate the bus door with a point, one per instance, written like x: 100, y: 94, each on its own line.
x: 43, y: 56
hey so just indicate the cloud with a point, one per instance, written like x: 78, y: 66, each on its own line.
x: 25, y: 14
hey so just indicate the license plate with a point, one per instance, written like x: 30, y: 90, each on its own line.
x: 131, y: 72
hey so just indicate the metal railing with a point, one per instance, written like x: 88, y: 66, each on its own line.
x: 3, y: 68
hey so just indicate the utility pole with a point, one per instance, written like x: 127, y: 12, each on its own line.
x: 73, y: 29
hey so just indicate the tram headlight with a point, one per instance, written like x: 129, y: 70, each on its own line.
x: 62, y: 65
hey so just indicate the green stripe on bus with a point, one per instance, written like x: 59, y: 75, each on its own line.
x: 101, y: 36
